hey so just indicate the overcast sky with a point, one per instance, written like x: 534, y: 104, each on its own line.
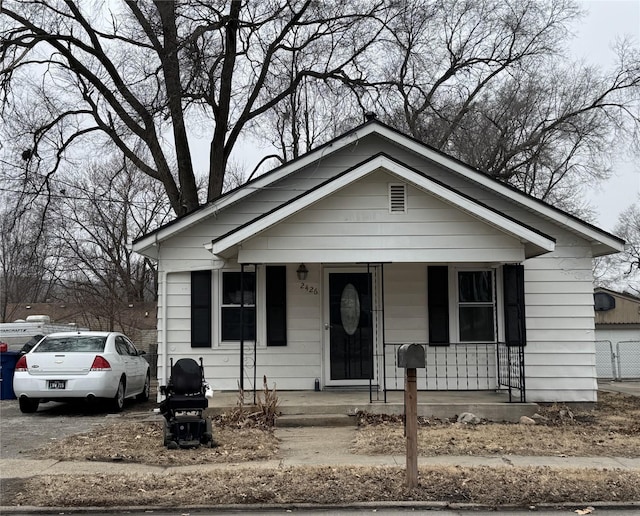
x: 608, y: 19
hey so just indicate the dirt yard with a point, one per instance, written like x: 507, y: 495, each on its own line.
x: 612, y: 429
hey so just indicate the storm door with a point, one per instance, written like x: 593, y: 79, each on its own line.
x: 350, y: 328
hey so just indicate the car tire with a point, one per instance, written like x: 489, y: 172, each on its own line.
x: 144, y: 395
x: 28, y: 405
x: 118, y: 400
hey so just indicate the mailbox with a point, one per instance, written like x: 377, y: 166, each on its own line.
x: 411, y: 356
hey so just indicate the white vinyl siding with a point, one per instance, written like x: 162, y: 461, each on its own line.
x: 355, y: 225
x: 355, y: 222
x: 294, y: 366
x: 560, y: 352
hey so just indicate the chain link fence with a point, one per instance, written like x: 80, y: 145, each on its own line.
x: 620, y: 361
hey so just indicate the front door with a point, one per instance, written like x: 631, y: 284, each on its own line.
x: 350, y: 328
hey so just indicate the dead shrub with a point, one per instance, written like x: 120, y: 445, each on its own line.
x: 262, y: 414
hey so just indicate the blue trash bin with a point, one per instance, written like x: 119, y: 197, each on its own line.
x: 8, y: 360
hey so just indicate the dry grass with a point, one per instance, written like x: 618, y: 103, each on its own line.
x: 142, y: 443
x: 612, y: 429
x: 332, y: 485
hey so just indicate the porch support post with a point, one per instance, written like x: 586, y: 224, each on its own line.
x: 384, y: 339
x: 411, y: 426
x: 242, y: 328
x: 255, y: 325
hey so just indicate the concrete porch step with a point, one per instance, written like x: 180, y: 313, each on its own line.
x: 315, y: 420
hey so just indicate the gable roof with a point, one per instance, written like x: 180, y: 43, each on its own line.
x: 535, y: 241
x: 602, y: 242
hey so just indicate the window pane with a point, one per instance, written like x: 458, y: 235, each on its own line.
x: 476, y: 324
x: 475, y: 287
x: 231, y: 323
x: 231, y: 288
x: 75, y: 344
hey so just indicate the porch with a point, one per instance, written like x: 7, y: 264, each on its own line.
x: 337, y: 407
x: 364, y: 318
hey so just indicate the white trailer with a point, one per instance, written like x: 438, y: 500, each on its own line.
x: 18, y: 333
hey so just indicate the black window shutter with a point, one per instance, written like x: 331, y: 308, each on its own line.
x: 201, y: 309
x: 515, y: 332
x: 276, y: 301
x: 438, y: 304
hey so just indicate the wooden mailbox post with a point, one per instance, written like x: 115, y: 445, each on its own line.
x: 411, y: 357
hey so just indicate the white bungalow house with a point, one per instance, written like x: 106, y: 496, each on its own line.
x: 316, y: 272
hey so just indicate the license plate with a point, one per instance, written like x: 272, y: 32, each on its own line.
x: 57, y: 384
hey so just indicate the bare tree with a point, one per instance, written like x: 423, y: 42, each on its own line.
x: 100, y: 214
x: 622, y: 271
x: 136, y: 73
x: 28, y: 256
x: 486, y: 82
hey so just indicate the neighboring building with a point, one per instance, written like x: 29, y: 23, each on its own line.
x: 617, y: 334
x: 323, y: 267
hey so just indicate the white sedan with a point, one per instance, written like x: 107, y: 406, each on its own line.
x: 81, y: 365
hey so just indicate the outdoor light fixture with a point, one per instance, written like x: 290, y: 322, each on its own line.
x: 302, y: 272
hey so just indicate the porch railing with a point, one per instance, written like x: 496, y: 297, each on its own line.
x: 465, y: 367
x: 511, y: 371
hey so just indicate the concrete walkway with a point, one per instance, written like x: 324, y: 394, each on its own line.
x: 625, y: 387
x: 317, y: 446
x: 310, y: 446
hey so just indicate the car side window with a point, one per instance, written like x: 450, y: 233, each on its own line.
x: 121, y: 346
x: 130, y: 347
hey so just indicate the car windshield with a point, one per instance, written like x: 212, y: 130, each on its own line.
x: 72, y: 344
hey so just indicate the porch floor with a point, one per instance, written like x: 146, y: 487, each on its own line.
x: 493, y: 406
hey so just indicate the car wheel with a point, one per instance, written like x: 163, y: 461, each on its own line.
x: 144, y: 395
x: 28, y: 405
x: 118, y: 399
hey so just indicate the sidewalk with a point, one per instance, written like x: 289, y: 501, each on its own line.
x: 300, y: 447
x: 309, y: 446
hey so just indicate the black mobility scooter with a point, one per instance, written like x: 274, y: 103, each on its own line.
x: 183, y: 407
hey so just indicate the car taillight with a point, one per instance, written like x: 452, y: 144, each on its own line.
x: 100, y: 364
x: 21, y: 364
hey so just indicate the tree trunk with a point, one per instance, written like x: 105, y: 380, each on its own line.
x: 218, y: 155
x: 171, y: 69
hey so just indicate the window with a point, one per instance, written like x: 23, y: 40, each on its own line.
x: 476, y: 306
x: 74, y: 344
x: 232, y: 310
x: 603, y: 301
x: 124, y: 347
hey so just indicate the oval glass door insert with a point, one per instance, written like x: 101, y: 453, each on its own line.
x: 350, y: 309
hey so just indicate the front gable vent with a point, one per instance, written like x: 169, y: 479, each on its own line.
x: 397, y: 198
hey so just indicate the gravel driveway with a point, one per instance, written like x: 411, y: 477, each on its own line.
x: 21, y: 433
